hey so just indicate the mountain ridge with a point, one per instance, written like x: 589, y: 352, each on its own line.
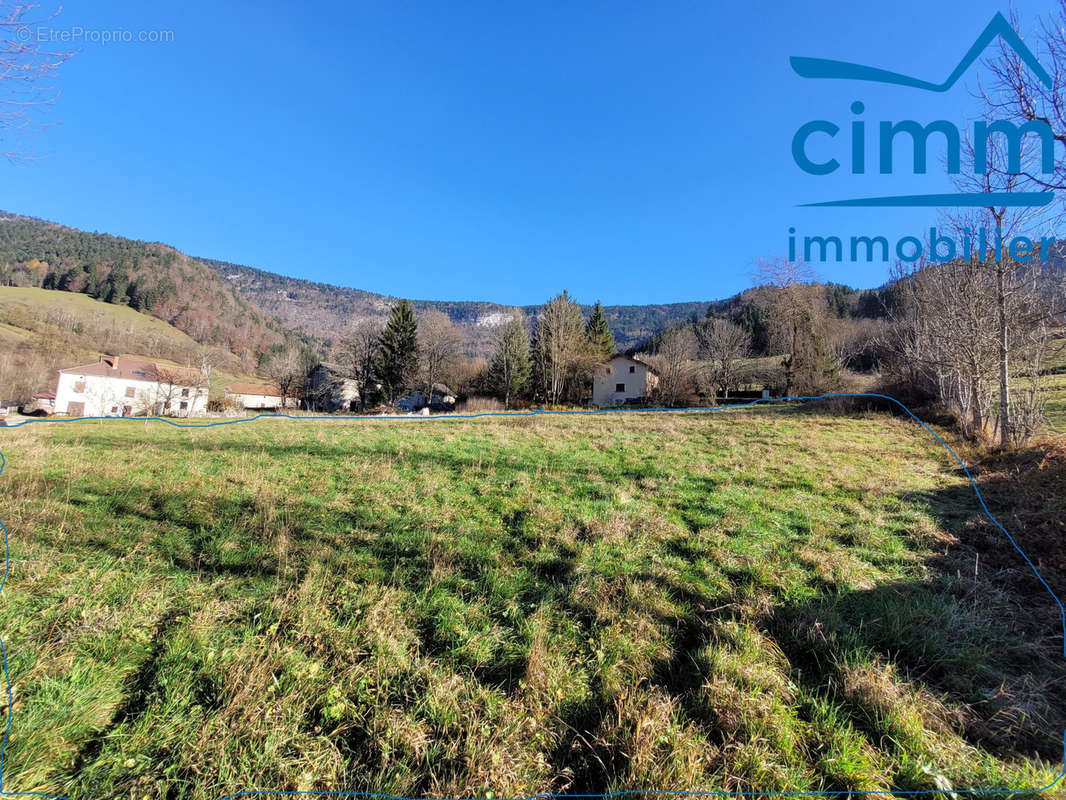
x: 325, y: 310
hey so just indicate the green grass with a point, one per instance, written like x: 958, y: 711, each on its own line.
x: 1055, y: 381
x: 756, y: 600
x: 1055, y: 411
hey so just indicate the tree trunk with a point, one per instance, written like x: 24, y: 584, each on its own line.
x: 1004, y: 374
x: 975, y: 400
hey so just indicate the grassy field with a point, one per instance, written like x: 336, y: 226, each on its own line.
x: 1055, y: 380
x: 772, y: 599
x: 1056, y: 404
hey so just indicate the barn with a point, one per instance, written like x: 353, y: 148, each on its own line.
x: 255, y: 395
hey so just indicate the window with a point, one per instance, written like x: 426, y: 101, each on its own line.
x: 632, y: 370
x: 79, y: 386
x: 184, y: 393
x: 114, y: 409
x: 129, y: 391
x: 184, y: 405
x: 619, y: 387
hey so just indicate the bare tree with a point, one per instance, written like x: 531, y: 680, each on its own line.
x: 27, y: 68
x: 722, y: 344
x: 438, y: 348
x: 180, y: 387
x: 1016, y: 92
x: 510, y: 369
x: 1024, y: 295
x: 288, y: 368
x: 1001, y: 303
x: 942, y: 336
x: 858, y: 343
x: 798, y: 315
x: 675, y: 361
x: 967, y: 329
x: 562, y: 359
x: 359, y: 352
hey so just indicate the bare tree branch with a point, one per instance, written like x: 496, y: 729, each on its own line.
x: 27, y: 72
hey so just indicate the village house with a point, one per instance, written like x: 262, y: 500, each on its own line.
x: 258, y: 396
x: 436, y: 398
x: 42, y: 404
x: 333, y: 388
x: 124, y: 387
x: 623, y: 380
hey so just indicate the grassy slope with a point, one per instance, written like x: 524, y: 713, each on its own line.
x: 1056, y: 404
x: 755, y: 600
x: 84, y: 309
x: 1056, y: 383
x: 72, y: 328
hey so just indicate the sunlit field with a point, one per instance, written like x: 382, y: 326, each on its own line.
x: 753, y: 600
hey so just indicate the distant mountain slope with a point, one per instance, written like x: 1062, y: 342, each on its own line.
x: 148, y: 277
x: 249, y: 311
x: 325, y: 311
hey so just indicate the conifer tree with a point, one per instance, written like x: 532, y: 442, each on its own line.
x: 598, y: 332
x: 398, y: 351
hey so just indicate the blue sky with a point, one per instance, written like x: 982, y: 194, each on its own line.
x: 634, y: 152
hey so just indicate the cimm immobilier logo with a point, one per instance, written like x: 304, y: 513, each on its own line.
x: 910, y: 248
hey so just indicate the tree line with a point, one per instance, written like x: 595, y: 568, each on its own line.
x: 547, y: 359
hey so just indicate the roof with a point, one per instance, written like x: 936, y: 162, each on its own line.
x: 635, y: 360
x: 132, y: 369
x: 238, y: 387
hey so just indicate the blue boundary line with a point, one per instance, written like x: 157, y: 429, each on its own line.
x: 589, y: 412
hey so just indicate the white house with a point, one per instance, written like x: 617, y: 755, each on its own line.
x: 622, y: 379
x: 124, y: 387
x: 257, y: 395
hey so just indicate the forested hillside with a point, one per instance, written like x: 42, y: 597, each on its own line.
x: 148, y: 277
x: 326, y: 312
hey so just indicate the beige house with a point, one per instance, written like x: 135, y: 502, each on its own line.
x: 621, y: 380
x: 257, y: 395
x: 124, y: 387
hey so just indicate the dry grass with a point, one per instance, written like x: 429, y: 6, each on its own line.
x: 750, y: 601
